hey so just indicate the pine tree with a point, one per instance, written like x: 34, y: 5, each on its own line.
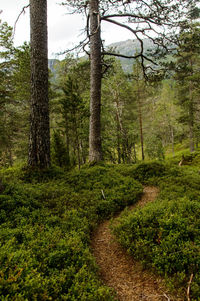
x: 6, y: 94
x: 187, y: 76
x: 141, y: 18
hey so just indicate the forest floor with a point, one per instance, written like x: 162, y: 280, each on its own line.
x: 120, y: 271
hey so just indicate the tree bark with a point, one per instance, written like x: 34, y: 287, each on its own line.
x: 191, y: 119
x: 118, y: 140
x: 141, y: 125
x: 67, y: 136
x: 172, y: 139
x: 39, y: 144
x: 134, y: 151
x: 95, y: 149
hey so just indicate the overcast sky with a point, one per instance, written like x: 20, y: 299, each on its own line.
x: 64, y: 30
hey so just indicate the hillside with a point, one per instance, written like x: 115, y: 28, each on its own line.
x: 128, y: 47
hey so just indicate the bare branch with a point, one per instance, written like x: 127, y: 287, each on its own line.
x: 80, y: 45
x: 188, y: 289
x: 122, y: 25
x: 130, y: 57
x: 168, y: 299
x: 22, y: 12
x: 121, y: 55
x: 148, y: 18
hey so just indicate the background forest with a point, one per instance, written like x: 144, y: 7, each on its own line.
x: 140, y: 118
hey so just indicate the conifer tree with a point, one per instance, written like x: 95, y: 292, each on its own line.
x: 7, y: 124
x: 139, y: 17
x: 188, y: 76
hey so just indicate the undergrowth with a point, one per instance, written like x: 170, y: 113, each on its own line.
x: 46, y: 219
x: 45, y: 224
x: 165, y: 234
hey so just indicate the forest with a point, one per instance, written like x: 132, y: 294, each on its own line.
x: 109, y: 135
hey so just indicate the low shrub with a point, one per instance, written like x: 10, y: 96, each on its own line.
x: 45, y: 229
x: 165, y: 235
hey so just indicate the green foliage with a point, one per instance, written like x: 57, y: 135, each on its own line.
x: 118, y: 117
x: 154, y: 147
x: 145, y: 173
x: 14, y: 97
x: 164, y: 235
x: 187, y: 76
x: 70, y: 108
x: 45, y: 230
x: 6, y: 92
x: 59, y: 154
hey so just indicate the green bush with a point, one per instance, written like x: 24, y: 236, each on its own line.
x: 165, y: 235
x: 145, y: 173
x: 45, y: 229
x: 59, y: 153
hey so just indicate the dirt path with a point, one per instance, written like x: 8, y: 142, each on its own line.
x: 119, y: 271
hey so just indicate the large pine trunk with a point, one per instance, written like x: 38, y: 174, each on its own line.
x: 39, y: 144
x: 95, y: 149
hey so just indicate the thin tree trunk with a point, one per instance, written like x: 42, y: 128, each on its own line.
x: 39, y: 144
x: 191, y: 120
x: 141, y: 127
x: 10, y: 156
x: 134, y: 151
x: 95, y: 149
x: 77, y: 141
x: 191, y: 136
x: 118, y: 140
x: 67, y: 137
x: 83, y: 157
x: 124, y: 153
x: 172, y: 139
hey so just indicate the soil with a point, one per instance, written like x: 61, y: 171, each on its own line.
x: 120, y: 271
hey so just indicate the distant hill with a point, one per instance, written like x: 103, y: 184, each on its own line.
x: 130, y: 48
x: 51, y: 64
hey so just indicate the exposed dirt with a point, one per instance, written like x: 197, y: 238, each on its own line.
x: 119, y: 271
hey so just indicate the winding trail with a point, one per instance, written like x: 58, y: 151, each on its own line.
x: 119, y: 271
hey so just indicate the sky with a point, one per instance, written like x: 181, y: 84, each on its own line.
x: 64, y: 31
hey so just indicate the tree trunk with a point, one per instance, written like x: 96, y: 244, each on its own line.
x: 191, y: 120
x: 77, y: 141
x: 134, y: 151
x: 67, y: 138
x: 95, y: 149
x: 10, y: 156
x: 172, y: 139
x: 118, y: 141
x: 39, y: 144
x: 191, y: 137
x: 141, y: 125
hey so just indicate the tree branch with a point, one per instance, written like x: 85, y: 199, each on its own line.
x: 128, y: 27
x: 80, y: 45
x: 188, y: 288
x: 137, y: 17
x: 22, y: 12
